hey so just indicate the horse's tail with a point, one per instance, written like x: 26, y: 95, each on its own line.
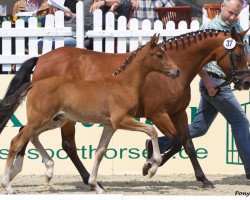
x: 17, y: 90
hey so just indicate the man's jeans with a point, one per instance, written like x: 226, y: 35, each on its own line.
x: 229, y: 107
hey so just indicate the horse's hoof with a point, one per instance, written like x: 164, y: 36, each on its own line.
x: 97, y: 189
x: 100, y: 185
x: 208, y: 185
x: 146, y: 167
x: 47, y: 178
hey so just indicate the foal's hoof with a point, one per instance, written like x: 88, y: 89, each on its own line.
x: 100, y: 185
x: 48, y: 178
x: 97, y: 189
x: 208, y: 185
x: 145, y: 168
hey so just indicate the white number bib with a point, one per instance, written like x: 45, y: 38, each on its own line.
x: 229, y: 43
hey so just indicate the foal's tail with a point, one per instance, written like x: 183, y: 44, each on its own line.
x: 17, y: 90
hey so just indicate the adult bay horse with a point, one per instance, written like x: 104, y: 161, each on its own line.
x: 111, y: 101
x: 163, y: 101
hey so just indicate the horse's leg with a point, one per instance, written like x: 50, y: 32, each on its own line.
x: 18, y: 162
x: 107, y: 134
x: 130, y: 123
x: 163, y: 122
x: 47, y: 160
x: 16, y: 144
x: 181, y: 121
x: 69, y: 146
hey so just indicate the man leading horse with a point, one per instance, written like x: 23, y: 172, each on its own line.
x: 215, y: 99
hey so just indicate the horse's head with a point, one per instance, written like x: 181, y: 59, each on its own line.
x: 158, y: 60
x: 233, y: 60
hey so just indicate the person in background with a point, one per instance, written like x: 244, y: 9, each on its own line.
x: 41, y: 7
x: 146, y: 9
x: 69, y: 21
x: 120, y: 7
x: 224, y: 102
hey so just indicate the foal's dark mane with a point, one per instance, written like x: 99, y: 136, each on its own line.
x: 202, y: 34
x: 128, y: 61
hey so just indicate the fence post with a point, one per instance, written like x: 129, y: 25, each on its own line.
x: 47, y: 41
x: 110, y: 26
x: 20, y: 41
x: 80, y: 24
x: 146, y: 25
x: 33, y: 43
x: 122, y: 41
x: 97, y: 27
x: 6, y: 46
x: 133, y: 41
x: 59, y: 23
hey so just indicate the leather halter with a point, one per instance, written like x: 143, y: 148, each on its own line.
x: 234, y: 78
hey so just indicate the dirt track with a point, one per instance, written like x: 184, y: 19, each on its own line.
x: 133, y: 185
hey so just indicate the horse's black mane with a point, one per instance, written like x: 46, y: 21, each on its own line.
x: 200, y: 33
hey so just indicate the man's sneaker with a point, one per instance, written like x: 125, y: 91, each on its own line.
x: 149, y: 148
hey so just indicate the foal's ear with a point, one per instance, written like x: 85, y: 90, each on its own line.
x: 154, y: 40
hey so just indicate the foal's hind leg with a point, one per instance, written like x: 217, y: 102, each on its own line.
x: 69, y: 146
x: 16, y: 144
x: 18, y: 163
x: 107, y: 134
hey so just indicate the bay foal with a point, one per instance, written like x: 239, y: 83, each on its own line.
x: 111, y: 101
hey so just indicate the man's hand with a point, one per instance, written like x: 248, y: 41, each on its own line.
x: 68, y: 12
x: 96, y: 5
x: 209, y: 84
x: 113, y: 7
x: 211, y: 87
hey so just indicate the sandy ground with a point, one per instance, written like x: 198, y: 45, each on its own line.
x: 132, y: 185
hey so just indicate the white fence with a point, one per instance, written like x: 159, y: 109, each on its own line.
x: 54, y: 30
x: 129, y: 36
x: 126, y: 37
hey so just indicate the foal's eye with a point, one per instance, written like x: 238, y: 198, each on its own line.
x: 159, y: 55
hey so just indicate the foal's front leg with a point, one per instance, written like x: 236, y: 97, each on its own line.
x: 106, y: 136
x: 47, y: 160
x: 129, y: 123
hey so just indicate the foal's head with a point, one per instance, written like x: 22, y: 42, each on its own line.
x: 154, y: 58
x: 158, y: 60
x: 232, y: 59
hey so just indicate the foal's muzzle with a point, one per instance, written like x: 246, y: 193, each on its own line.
x: 174, y: 73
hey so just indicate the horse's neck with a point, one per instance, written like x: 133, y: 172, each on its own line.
x: 199, y: 53
x: 135, y: 73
